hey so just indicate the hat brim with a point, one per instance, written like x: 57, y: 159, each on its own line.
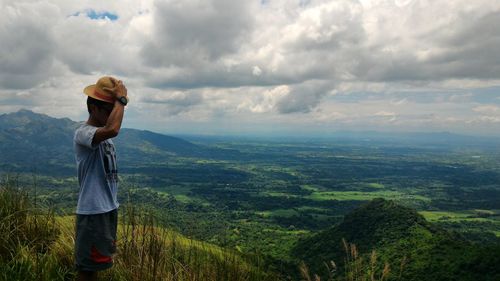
x: 91, y: 92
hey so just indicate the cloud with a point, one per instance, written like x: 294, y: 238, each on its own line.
x: 285, y: 99
x: 175, y: 102
x: 265, y: 101
x: 256, y: 71
x: 419, y: 43
x: 27, y: 49
x: 384, y: 114
x: 303, y: 97
x: 357, y: 64
x: 197, y: 49
x: 487, y: 109
x: 193, y: 32
x: 90, y: 46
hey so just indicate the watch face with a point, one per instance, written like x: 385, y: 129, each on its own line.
x: 123, y: 100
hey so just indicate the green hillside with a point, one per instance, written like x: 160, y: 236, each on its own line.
x: 400, y: 237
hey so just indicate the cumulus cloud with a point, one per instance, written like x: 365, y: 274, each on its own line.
x: 175, y: 102
x: 286, y: 99
x: 488, y: 109
x: 195, y: 32
x: 303, y: 97
x: 419, y: 42
x: 27, y: 49
x: 256, y: 71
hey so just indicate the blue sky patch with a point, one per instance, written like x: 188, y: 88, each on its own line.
x: 92, y: 14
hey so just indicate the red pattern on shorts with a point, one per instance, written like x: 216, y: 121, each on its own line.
x: 98, y: 257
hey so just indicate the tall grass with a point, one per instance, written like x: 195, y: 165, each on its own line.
x: 26, y: 234
x: 37, y: 245
x: 355, y: 267
x: 148, y: 252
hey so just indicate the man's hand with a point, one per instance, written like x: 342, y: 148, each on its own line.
x: 119, y: 90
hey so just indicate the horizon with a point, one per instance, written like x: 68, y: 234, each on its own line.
x: 342, y: 134
x: 219, y: 67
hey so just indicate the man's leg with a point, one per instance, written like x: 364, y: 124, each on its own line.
x: 87, y: 276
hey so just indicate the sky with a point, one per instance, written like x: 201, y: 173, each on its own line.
x: 289, y: 67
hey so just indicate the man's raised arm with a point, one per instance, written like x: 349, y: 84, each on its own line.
x: 114, y: 122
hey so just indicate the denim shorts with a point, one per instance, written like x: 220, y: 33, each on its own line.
x: 95, y: 241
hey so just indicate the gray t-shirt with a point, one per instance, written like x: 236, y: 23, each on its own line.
x: 97, y: 172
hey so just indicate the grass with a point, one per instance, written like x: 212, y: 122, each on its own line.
x: 379, y: 192
x: 442, y: 215
x: 356, y: 268
x: 466, y: 215
x: 37, y: 245
x: 375, y: 185
x: 310, y: 187
x: 476, y: 220
x: 361, y: 195
x: 279, y: 213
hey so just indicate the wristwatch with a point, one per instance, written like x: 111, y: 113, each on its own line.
x: 123, y: 100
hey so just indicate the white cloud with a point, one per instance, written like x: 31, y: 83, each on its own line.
x: 384, y: 113
x: 487, y: 109
x: 27, y: 47
x: 256, y: 71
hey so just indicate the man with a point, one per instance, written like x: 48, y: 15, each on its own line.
x: 97, y: 209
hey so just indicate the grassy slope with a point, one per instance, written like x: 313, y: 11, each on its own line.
x: 37, y: 245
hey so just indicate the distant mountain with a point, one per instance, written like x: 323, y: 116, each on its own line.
x: 36, y: 142
x: 435, y: 139
x: 395, y: 231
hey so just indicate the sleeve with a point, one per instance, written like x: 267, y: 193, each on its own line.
x: 84, y: 136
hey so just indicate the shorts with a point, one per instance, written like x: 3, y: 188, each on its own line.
x: 95, y: 241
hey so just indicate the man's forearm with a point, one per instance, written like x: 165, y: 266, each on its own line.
x: 115, y: 118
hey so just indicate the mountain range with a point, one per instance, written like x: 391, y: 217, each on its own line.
x: 33, y: 142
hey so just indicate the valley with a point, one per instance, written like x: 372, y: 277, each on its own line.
x: 261, y: 197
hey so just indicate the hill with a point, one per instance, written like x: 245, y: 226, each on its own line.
x: 400, y: 235
x: 28, y: 139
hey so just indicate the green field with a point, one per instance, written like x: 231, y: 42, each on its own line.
x: 357, y: 195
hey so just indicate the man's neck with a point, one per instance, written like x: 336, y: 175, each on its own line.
x: 93, y: 122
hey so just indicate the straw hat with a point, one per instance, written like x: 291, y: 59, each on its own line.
x: 97, y: 91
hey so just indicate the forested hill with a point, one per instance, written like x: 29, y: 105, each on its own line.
x: 396, y: 232
x: 29, y: 139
